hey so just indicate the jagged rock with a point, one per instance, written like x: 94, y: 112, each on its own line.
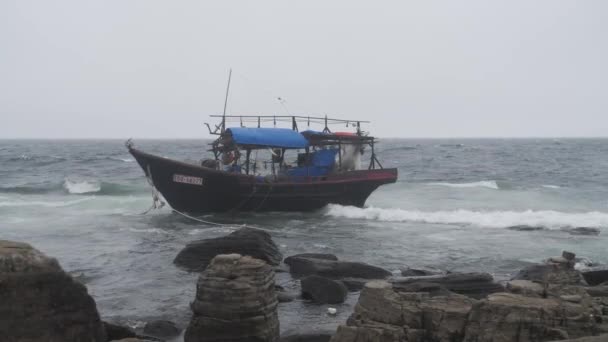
x: 118, y: 332
x: 474, y: 285
x: 245, y: 241
x: 323, y: 290
x: 596, y: 275
x: 235, y: 301
x: 552, y: 273
x: 504, y: 317
x: 569, y: 256
x: 383, y: 314
x: 41, y: 302
x: 597, y: 291
x: 161, y: 328
x: 526, y: 288
x: 303, y: 266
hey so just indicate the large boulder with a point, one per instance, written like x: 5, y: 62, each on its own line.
x: 235, y: 301
x: 323, y: 290
x: 327, y: 267
x: 474, y: 285
x: 383, y: 314
x: 504, y: 317
x: 245, y: 241
x: 41, y: 302
x: 596, y: 275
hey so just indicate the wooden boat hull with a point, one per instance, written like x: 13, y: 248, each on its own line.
x: 196, y: 189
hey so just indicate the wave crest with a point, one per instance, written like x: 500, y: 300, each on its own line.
x: 83, y: 187
x: 549, y: 219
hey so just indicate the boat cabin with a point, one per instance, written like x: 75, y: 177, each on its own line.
x: 286, y: 154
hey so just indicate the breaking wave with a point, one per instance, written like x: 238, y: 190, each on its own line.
x: 81, y: 187
x: 490, y: 184
x: 75, y: 188
x: 549, y: 219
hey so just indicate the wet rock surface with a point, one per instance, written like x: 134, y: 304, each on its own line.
x: 596, y: 275
x: 528, y: 310
x: 474, y: 285
x: 323, y: 290
x: 235, y: 301
x: 41, y: 302
x: 161, y: 328
x: 118, y: 332
x: 245, y: 241
x: 304, y: 265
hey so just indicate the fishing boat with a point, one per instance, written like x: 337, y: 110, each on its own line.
x: 272, y: 168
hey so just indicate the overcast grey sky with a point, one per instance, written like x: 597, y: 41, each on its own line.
x: 118, y: 69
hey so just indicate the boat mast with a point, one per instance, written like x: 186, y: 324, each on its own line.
x: 226, y: 102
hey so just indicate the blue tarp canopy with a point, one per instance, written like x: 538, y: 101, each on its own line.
x: 270, y: 137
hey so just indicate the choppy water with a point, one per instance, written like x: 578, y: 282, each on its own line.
x: 80, y: 201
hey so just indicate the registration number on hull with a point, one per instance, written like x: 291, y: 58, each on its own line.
x: 187, y: 179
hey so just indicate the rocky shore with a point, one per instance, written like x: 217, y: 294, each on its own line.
x: 238, y: 298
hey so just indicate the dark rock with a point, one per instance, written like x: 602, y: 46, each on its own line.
x: 235, y: 301
x: 583, y: 231
x: 161, y: 328
x: 118, y: 332
x: 41, y: 302
x: 323, y: 290
x: 303, y: 266
x: 525, y: 228
x: 307, y: 337
x: 354, y: 284
x: 569, y: 256
x: 596, y: 275
x: 553, y: 273
x: 245, y: 241
x: 474, y: 285
x: 283, y: 297
x: 322, y: 256
x: 420, y: 272
x: 433, y: 289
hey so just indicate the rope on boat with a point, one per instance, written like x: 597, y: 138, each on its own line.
x: 157, y: 203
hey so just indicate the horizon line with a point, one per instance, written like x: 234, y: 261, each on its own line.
x: 379, y: 137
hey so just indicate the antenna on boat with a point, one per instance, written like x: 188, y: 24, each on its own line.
x: 226, y: 102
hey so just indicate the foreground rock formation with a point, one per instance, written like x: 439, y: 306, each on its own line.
x: 528, y: 311
x: 235, y: 301
x: 40, y: 302
x: 245, y: 241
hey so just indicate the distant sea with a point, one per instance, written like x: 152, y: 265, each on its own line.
x: 492, y: 205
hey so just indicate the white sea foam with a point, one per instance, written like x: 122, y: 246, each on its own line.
x: 550, y: 186
x: 81, y: 187
x: 126, y: 160
x: 48, y: 204
x: 490, y: 184
x: 494, y: 219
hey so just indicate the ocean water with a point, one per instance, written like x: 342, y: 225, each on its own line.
x: 82, y: 202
